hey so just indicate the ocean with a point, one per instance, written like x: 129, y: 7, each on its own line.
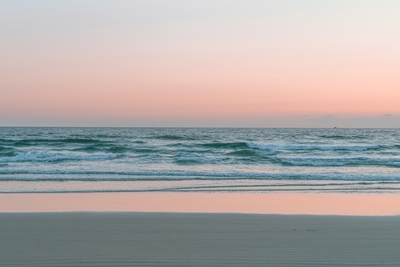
x: 45, y: 160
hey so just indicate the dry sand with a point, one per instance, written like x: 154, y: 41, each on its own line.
x: 195, y: 239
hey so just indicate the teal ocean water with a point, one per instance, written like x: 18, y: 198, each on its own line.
x: 199, y: 159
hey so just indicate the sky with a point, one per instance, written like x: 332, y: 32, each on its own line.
x: 283, y: 63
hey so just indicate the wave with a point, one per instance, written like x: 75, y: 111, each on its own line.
x: 138, y: 142
x: 342, y: 137
x: 48, y: 141
x: 89, y: 149
x: 245, y: 153
x: 193, y: 149
x: 275, y: 147
x: 328, y: 136
x: 117, y: 149
x: 199, y: 160
x: 340, y: 162
x: 227, y: 145
x: 6, y: 141
x: 171, y: 137
x: 7, y: 152
x: 54, y: 157
x: 96, y: 148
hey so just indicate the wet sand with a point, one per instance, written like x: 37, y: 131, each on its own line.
x: 258, y: 203
x: 197, y: 239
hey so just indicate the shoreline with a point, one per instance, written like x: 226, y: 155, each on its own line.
x: 178, y: 202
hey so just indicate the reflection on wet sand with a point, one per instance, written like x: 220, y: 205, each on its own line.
x: 262, y: 203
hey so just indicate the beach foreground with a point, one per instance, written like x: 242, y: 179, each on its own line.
x: 197, y: 239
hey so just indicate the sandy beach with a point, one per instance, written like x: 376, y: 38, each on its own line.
x: 199, y: 229
x: 194, y: 239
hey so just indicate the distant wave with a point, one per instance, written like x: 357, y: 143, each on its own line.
x: 193, y: 149
x: 6, y: 152
x: 171, y: 137
x: 245, y: 153
x: 199, y: 160
x: 31, y: 142
x: 48, y: 157
x: 338, y: 162
x: 275, y: 147
x: 226, y: 145
x: 343, y: 137
x: 96, y: 148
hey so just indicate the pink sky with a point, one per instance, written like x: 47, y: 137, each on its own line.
x: 150, y: 63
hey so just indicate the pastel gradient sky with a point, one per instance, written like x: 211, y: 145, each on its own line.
x: 283, y: 63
